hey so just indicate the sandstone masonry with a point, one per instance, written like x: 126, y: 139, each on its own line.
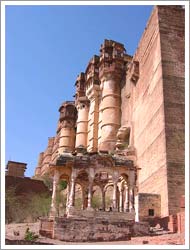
x: 125, y: 128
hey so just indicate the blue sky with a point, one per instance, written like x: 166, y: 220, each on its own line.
x: 46, y: 48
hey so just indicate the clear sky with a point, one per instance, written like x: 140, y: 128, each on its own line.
x: 46, y: 48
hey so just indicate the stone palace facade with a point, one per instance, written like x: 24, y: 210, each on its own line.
x: 124, y: 130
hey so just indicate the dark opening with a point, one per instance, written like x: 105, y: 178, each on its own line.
x: 151, y: 212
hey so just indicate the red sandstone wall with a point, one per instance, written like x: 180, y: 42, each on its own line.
x: 25, y: 185
x: 171, y: 25
x: 155, y: 107
x: 148, y: 115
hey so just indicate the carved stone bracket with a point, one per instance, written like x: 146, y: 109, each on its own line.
x: 134, y: 71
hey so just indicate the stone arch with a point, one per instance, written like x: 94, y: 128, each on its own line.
x: 108, y: 196
x: 124, y: 178
x: 81, y: 189
x: 64, y: 176
x: 82, y: 176
x: 123, y: 198
x: 102, y: 178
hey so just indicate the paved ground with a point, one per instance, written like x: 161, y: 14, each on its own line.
x: 167, y: 239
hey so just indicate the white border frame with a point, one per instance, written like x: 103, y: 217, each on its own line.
x: 78, y: 246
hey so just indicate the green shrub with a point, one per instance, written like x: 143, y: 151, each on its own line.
x: 30, y: 236
x: 62, y: 185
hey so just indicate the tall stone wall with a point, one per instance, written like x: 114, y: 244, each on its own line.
x: 171, y: 26
x: 147, y: 114
x: 153, y: 107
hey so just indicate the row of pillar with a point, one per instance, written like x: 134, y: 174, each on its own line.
x: 122, y: 203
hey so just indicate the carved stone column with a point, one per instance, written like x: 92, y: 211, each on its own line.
x: 103, y: 200
x: 131, y: 199
x: 115, y: 177
x: 111, y: 70
x: 82, y: 124
x: 92, y: 92
x: 68, y: 191
x: 53, y: 210
x: 126, y: 204
x: 90, y: 195
x: 120, y: 199
x: 110, y: 109
x: 82, y: 104
x: 131, y: 189
x: 136, y: 206
x: 90, y: 188
x: 114, y: 199
x: 83, y: 198
x: 72, y: 192
x: 66, y: 127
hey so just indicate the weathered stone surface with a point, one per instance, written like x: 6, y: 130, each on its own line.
x: 141, y: 229
x: 25, y: 185
x: 90, y: 229
x: 172, y: 24
x: 149, y: 202
x: 125, y: 103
